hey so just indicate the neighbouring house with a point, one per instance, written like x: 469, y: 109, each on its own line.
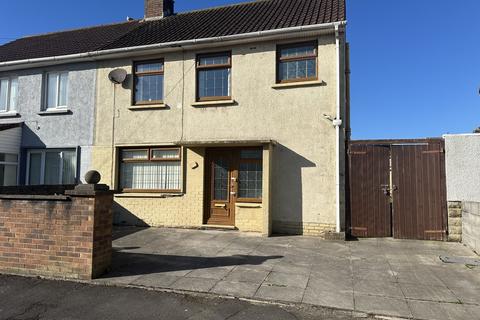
x: 47, y: 106
x: 235, y: 116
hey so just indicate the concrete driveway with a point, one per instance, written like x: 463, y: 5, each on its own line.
x: 399, y: 278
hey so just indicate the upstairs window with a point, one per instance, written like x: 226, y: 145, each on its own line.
x: 297, y: 62
x: 148, y: 82
x: 57, y: 90
x: 213, y: 76
x: 8, y: 94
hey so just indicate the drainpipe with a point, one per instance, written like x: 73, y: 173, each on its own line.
x: 338, y: 124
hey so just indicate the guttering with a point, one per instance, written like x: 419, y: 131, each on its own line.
x: 184, y: 43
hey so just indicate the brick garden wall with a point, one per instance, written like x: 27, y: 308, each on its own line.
x: 66, y: 236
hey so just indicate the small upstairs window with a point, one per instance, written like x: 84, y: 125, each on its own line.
x: 149, y: 78
x: 8, y: 94
x: 213, y: 76
x: 57, y: 90
x: 297, y: 62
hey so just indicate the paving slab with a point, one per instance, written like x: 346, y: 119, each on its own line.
x: 217, y: 273
x: 324, y: 296
x: 194, y: 284
x: 236, y: 289
x: 440, y: 311
x: 428, y: 293
x: 156, y: 280
x: 466, y: 294
x: 245, y: 274
x: 287, y: 279
x: 382, y: 305
x: 280, y: 293
x: 379, y: 288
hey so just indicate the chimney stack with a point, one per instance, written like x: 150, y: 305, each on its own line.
x: 156, y: 9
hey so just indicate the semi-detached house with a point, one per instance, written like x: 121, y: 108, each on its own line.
x: 234, y: 116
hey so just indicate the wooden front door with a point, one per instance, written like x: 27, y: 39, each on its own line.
x: 220, y: 187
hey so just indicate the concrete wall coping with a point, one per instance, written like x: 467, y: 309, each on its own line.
x: 89, y: 190
x: 35, y: 197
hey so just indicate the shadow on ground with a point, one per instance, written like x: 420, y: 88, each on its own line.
x: 133, y: 264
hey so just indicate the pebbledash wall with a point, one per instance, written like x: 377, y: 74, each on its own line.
x: 463, y: 188
x: 299, y: 191
x: 63, y: 236
x: 71, y: 128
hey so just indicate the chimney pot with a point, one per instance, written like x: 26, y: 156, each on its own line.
x: 158, y: 8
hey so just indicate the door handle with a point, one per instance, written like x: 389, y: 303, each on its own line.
x: 220, y: 205
x: 385, y: 189
x: 233, y: 193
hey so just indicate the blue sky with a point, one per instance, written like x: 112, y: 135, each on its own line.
x: 415, y: 63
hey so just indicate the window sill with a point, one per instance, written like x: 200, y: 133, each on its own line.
x: 148, y: 107
x: 248, y: 205
x: 9, y: 114
x: 299, y: 84
x: 213, y: 103
x: 54, y: 111
x: 148, y: 195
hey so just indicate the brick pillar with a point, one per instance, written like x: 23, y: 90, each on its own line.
x: 100, y: 199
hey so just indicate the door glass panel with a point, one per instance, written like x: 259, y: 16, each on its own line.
x: 69, y: 167
x: 52, y: 168
x: 8, y: 175
x: 35, y: 168
x: 220, y: 179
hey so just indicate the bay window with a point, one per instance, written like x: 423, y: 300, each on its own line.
x: 8, y: 94
x: 8, y: 169
x: 51, y: 167
x: 150, y: 170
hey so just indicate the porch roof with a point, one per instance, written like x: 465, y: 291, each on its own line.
x: 226, y: 143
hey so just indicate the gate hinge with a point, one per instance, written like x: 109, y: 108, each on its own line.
x: 441, y: 150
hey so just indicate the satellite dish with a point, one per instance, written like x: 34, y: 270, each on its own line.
x: 117, y: 76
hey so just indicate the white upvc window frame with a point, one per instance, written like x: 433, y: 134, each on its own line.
x: 43, y: 153
x: 16, y: 164
x: 58, y: 106
x: 8, y: 105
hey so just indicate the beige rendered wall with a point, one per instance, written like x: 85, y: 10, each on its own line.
x: 302, y: 186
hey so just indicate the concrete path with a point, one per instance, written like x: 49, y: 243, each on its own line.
x: 34, y: 299
x: 399, y: 278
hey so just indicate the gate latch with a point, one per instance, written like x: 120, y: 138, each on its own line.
x: 387, y: 190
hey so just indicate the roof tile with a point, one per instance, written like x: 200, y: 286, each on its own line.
x: 248, y: 17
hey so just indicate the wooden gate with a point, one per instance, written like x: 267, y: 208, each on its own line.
x: 369, y: 174
x: 397, y: 188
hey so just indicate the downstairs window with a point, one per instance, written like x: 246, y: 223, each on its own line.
x: 150, y: 170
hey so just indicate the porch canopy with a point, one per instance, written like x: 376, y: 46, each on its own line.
x: 227, y: 143
x: 10, y: 138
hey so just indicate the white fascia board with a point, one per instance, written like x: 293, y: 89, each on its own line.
x: 284, y: 33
